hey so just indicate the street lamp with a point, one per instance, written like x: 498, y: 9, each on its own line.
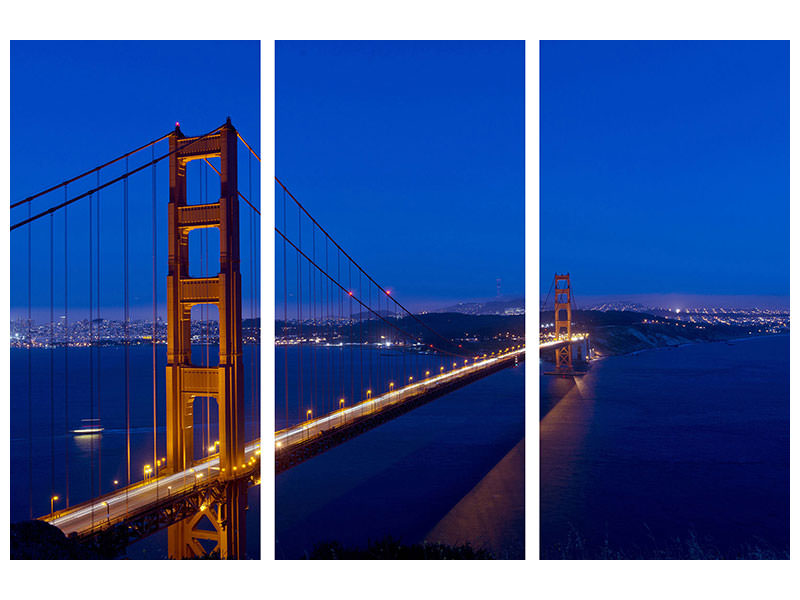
x: 341, y: 407
x: 308, y: 419
x: 108, y: 516
x: 52, y: 499
x: 369, y: 394
x: 391, y: 385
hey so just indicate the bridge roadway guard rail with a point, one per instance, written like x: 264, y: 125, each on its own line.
x: 305, y: 440
x: 138, y: 510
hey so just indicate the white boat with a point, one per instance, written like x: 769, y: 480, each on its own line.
x: 88, y: 427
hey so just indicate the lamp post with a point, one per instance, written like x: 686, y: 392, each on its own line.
x: 108, y: 514
x: 341, y: 407
x: 308, y: 423
x: 52, y: 500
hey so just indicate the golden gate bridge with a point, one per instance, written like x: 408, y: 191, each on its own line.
x: 199, y: 462
x: 381, y: 360
x: 349, y: 354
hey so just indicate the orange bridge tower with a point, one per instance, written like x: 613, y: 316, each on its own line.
x: 225, y: 507
x: 563, y: 320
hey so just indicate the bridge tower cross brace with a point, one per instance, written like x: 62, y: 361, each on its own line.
x: 563, y: 320
x: 185, y: 381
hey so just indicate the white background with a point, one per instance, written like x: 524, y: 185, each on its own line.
x: 410, y: 19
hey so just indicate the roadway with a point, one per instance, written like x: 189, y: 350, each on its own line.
x: 95, y: 513
x: 286, y: 438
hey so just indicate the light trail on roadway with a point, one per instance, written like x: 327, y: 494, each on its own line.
x: 89, y: 515
x: 286, y: 438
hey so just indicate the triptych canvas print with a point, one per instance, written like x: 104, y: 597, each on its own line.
x: 346, y: 324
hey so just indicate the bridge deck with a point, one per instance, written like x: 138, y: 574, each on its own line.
x: 297, y: 443
x: 126, y: 502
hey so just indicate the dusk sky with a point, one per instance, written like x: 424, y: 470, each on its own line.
x: 75, y: 105
x: 664, y: 168
x: 411, y: 154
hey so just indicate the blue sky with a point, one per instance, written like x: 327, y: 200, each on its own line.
x: 411, y: 154
x: 75, y: 105
x: 665, y: 167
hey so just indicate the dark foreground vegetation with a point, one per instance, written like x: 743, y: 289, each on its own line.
x: 391, y: 549
x: 688, y: 547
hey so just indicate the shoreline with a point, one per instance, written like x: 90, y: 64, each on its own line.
x: 697, y: 343
x: 682, y: 345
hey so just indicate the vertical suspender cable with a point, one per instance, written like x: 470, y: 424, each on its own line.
x: 155, y: 309
x: 340, y: 370
x: 125, y: 333
x: 312, y: 284
x: 203, y: 322
x: 360, y: 345
x: 299, y: 291
x: 30, y: 381
x: 97, y: 350
x: 369, y: 350
x: 285, y: 322
x: 207, y: 312
x: 52, y: 370
x: 329, y: 390
x: 66, y: 357
x: 350, y: 302
x: 91, y: 358
x: 252, y: 299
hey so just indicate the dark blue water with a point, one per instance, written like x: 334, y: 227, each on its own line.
x: 96, y: 461
x: 402, y: 477
x: 667, y: 444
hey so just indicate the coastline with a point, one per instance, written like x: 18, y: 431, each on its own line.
x: 696, y: 343
x: 684, y: 344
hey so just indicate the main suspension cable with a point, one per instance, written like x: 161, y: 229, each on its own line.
x: 253, y: 152
x: 237, y: 191
x: 82, y: 175
x: 353, y: 297
x: 367, y: 275
x: 113, y: 181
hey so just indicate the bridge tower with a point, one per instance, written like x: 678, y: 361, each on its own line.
x: 563, y: 320
x: 186, y: 382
